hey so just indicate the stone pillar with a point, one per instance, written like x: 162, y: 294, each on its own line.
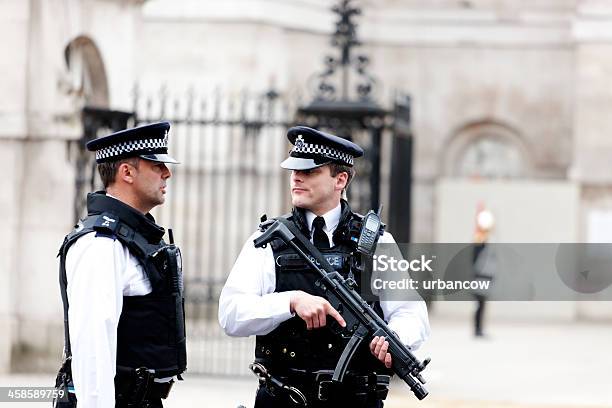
x: 592, y: 166
x: 40, y: 111
x: 44, y: 190
x: 14, y: 20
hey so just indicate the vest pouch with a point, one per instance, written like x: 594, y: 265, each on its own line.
x: 172, y: 266
x: 64, y: 387
x: 164, y: 266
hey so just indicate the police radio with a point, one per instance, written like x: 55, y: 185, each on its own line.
x: 372, y: 228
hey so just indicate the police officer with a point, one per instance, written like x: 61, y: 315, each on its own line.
x: 121, y: 283
x: 271, y: 292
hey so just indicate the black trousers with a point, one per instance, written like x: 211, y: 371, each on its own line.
x: 281, y: 400
x: 479, y: 315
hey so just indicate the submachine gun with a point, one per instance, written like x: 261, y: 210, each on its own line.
x: 362, y: 322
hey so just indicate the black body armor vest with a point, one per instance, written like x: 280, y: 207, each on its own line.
x: 151, y: 330
x: 291, y: 345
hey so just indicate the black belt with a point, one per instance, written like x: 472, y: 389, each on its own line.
x: 319, y: 384
x: 359, y: 385
x: 275, y: 384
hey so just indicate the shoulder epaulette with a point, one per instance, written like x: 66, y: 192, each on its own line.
x: 106, y: 224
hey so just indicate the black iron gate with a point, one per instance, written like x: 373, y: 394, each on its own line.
x: 230, y: 151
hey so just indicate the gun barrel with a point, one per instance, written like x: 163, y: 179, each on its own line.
x: 419, y: 391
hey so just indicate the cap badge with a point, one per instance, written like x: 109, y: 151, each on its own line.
x: 299, y: 142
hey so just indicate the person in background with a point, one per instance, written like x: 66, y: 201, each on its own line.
x: 483, y: 262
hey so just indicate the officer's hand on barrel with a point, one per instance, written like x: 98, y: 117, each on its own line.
x: 314, y: 310
x: 379, y: 348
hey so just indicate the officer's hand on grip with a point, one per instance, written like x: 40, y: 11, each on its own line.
x: 379, y: 348
x: 313, y: 310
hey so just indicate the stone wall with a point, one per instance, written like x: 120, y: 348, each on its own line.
x: 41, y: 121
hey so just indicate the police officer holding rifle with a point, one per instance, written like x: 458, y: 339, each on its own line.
x: 274, y: 293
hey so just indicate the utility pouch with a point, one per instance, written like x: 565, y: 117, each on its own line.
x: 64, y: 388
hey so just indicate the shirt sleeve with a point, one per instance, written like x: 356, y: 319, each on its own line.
x: 94, y: 267
x: 248, y: 304
x: 408, y: 319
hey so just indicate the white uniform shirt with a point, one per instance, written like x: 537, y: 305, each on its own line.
x: 249, y: 306
x: 100, y: 271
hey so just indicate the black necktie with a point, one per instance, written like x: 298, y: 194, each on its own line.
x: 319, y: 237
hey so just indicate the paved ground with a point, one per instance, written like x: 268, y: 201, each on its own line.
x: 526, y: 365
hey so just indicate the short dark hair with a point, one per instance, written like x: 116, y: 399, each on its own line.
x: 108, y: 170
x: 336, y: 168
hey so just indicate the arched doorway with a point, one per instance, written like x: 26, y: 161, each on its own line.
x: 88, y: 84
x: 487, y: 150
x: 87, y: 75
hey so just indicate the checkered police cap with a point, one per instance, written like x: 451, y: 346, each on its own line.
x: 149, y: 142
x: 313, y: 148
x: 301, y: 147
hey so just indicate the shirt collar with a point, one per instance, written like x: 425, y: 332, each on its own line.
x: 332, y: 218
